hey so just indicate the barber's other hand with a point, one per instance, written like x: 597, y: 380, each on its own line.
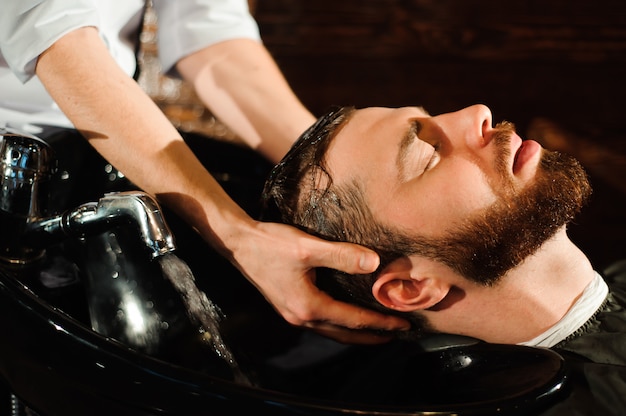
x: 280, y: 261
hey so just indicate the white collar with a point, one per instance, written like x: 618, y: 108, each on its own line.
x: 589, y: 302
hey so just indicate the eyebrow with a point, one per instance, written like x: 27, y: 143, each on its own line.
x: 410, y: 135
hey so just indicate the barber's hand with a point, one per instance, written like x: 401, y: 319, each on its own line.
x: 281, y: 260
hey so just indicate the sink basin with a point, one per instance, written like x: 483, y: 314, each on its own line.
x: 54, y: 363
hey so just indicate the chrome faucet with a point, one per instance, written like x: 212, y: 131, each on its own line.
x: 27, y: 164
x: 133, y: 209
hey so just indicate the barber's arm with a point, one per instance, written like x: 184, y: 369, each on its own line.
x: 125, y: 126
x: 241, y: 84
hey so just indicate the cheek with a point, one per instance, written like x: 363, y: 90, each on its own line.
x: 443, y: 199
x: 466, y: 192
x: 465, y: 189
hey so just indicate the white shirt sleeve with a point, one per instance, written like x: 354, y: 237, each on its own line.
x: 186, y: 26
x: 29, y: 27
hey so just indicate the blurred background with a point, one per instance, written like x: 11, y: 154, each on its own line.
x: 555, y: 68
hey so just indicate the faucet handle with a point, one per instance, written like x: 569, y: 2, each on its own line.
x: 26, y: 162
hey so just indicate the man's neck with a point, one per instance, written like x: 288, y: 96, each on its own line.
x: 529, y: 299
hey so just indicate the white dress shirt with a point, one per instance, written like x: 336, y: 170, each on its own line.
x: 29, y: 27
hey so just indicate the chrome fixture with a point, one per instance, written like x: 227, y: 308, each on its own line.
x: 27, y: 165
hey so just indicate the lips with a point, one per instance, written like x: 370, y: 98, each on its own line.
x: 525, y: 153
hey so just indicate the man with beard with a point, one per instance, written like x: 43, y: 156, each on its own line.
x: 469, y: 221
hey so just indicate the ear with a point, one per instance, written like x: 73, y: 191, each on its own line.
x: 409, y: 284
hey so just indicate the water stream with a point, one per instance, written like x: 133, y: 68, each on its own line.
x: 201, y: 310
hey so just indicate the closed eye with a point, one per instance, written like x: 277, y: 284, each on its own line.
x: 434, y: 158
x: 415, y: 156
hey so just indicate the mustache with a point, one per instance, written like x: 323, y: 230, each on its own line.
x: 503, y: 132
x: 502, y: 141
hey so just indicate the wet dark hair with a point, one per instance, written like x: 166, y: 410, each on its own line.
x: 300, y: 191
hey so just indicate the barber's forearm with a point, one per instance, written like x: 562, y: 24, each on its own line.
x: 129, y: 130
x: 241, y: 84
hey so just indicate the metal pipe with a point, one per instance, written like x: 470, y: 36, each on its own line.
x: 132, y: 209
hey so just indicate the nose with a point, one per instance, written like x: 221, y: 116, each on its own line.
x: 470, y: 126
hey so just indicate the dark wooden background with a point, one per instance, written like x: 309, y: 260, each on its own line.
x: 556, y: 68
x: 555, y: 58
x: 538, y: 63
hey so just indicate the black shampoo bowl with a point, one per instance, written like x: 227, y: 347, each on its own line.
x: 53, y: 362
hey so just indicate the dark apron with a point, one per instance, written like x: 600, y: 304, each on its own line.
x: 596, y: 356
